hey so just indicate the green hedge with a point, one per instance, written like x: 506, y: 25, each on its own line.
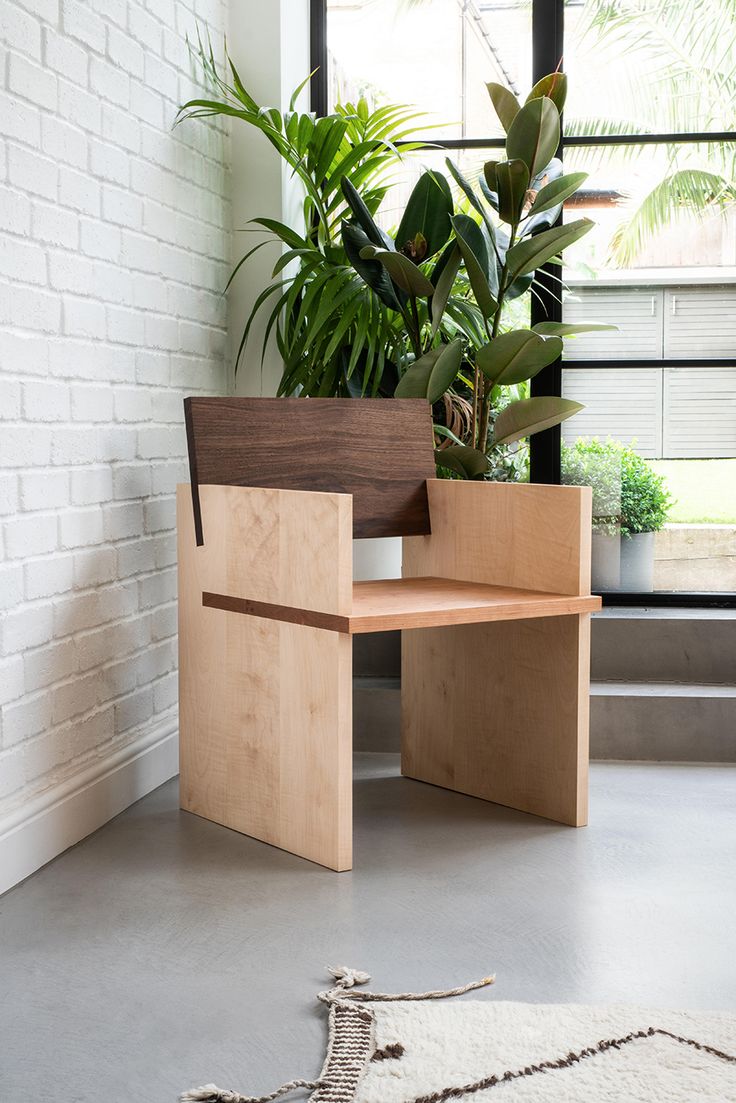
x: 628, y: 495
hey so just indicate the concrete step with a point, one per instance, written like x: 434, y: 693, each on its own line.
x: 633, y: 721
x: 696, y: 646
x: 377, y: 714
x: 663, y: 722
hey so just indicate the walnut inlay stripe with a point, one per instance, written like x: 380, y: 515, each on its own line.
x: 331, y: 622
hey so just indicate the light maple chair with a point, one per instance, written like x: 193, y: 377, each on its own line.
x: 494, y: 605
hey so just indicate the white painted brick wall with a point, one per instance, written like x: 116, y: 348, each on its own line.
x: 114, y: 248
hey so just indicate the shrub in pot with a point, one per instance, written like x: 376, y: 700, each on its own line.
x: 630, y: 504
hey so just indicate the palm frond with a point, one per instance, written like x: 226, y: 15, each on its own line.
x: 693, y: 192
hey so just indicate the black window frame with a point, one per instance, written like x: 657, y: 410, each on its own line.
x: 548, y: 32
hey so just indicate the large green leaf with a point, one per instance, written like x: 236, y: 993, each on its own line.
x: 427, y: 213
x: 473, y: 248
x: 570, y: 329
x: 517, y: 356
x: 445, y: 370
x: 529, y: 254
x: 531, y: 415
x: 467, y: 462
x: 402, y: 271
x: 534, y: 135
x: 512, y: 181
x: 375, y: 275
x: 363, y: 216
x: 505, y: 102
x: 443, y: 278
x: 489, y: 175
x: 556, y: 192
x: 432, y: 374
x: 553, y: 85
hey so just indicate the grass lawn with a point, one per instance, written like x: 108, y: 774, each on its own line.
x: 705, y: 490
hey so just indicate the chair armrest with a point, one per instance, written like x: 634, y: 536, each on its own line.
x: 527, y: 535
x: 284, y: 547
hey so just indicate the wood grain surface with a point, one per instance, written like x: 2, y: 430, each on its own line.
x: 388, y: 604
x: 265, y: 707
x: 500, y: 710
x: 527, y: 535
x: 378, y: 451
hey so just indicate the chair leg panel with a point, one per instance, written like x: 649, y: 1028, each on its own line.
x: 500, y: 711
x: 266, y: 728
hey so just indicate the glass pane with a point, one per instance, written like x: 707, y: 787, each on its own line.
x: 660, y: 262
x: 645, y: 433
x: 437, y: 54
x: 650, y: 66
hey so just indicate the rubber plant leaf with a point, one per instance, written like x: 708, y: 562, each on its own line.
x: 431, y: 375
x: 443, y: 279
x: 557, y: 191
x: 473, y: 248
x: 553, y: 85
x: 534, y: 135
x: 528, y: 254
x: 512, y: 182
x: 427, y: 213
x: 517, y: 356
x: 505, y: 103
x: 532, y: 415
x: 402, y: 271
x: 489, y: 175
x: 363, y: 216
x: 371, y: 271
x: 414, y: 383
x: 469, y: 463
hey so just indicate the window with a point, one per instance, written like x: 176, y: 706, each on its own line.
x: 650, y: 116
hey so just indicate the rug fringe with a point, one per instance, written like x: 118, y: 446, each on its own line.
x: 210, y: 1093
x: 347, y: 978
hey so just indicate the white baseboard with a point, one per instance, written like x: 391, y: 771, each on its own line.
x: 48, y: 824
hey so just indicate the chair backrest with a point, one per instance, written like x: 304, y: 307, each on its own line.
x: 378, y: 450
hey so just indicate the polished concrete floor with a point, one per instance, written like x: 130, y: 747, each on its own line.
x: 164, y: 951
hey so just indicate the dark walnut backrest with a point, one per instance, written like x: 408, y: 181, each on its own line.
x: 378, y: 450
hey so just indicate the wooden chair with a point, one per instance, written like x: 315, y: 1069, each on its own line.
x: 494, y: 605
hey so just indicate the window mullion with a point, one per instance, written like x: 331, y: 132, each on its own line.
x: 544, y: 448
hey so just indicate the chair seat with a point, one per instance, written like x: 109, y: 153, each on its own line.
x: 388, y: 604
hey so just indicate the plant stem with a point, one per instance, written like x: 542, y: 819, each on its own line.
x: 416, y: 336
x: 487, y: 383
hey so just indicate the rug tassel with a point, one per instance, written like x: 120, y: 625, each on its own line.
x: 212, y: 1094
x: 346, y: 978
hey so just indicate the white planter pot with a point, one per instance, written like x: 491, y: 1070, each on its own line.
x: 377, y: 558
x: 637, y: 563
x: 606, y: 562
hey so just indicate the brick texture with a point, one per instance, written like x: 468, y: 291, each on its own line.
x: 114, y: 249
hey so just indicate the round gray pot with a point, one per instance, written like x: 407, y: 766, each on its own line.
x: 637, y: 562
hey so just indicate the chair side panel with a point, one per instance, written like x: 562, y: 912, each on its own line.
x: 527, y: 535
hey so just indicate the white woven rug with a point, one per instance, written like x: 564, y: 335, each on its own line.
x: 420, y: 1049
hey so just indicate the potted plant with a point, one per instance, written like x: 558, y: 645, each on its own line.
x: 598, y: 465
x: 426, y: 311
x: 451, y: 276
x: 645, y: 503
x: 630, y: 505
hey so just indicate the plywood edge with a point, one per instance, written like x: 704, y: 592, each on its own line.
x: 551, y: 606
x: 528, y: 608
